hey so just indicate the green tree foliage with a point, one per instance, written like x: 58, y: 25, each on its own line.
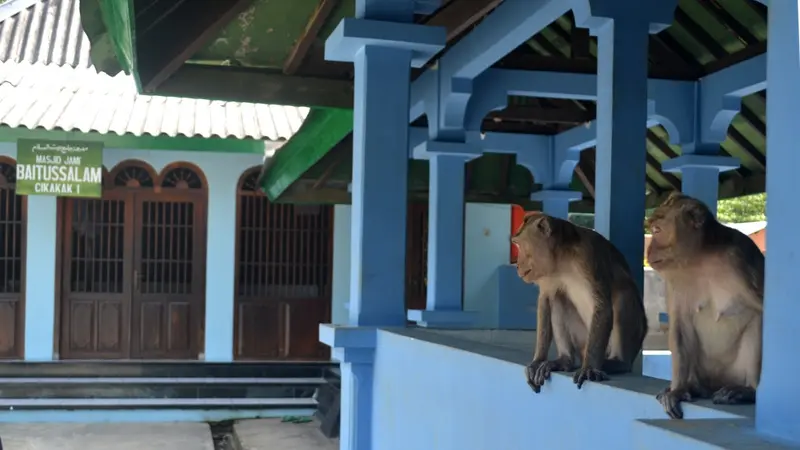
x: 750, y: 208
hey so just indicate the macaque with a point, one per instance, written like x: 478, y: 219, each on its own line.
x: 588, y: 301
x: 714, y: 277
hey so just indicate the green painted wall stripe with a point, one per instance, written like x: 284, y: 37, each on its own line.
x: 322, y: 129
x: 113, y: 140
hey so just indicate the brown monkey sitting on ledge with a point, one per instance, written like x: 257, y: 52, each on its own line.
x: 714, y: 277
x: 588, y: 301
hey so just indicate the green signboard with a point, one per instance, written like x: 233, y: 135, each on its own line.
x: 64, y: 169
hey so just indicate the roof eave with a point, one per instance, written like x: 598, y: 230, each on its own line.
x: 109, y: 24
x: 320, y: 132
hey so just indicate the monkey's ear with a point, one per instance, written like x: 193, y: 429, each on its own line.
x: 544, y: 226
x: 696, y: 215
x: 673, y: 197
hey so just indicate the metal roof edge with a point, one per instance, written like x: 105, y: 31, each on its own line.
x: 14, y: 7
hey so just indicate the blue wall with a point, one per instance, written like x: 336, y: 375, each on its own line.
x: 487, y: 404
x: 222, y: 172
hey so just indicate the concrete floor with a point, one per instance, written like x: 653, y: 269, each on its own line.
x: 272, y: 434
x: 104, y: 436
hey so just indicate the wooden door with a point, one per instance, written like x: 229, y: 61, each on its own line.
x: 283, y: 277
x: 168, y: 278
x: 12, y: 264
x: 133, y: 267
x: 96, y: 277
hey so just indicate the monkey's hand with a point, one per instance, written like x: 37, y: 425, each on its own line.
x: 587, y: 373
x: 671, y: 401
x: 538, y: 372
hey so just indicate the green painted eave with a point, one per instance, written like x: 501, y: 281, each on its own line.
x: 146, y: 142
x: 109, y: 25
x: 322, y: 129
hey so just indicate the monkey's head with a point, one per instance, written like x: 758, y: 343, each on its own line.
x: 678, y: 228
x: 538, y: 241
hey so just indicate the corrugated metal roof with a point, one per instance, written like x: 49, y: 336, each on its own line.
x: 43, y: 31
x: 47, y: 81
x: 52, y: 97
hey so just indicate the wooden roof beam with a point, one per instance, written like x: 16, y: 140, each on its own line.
x: 180, y: 32
x: 256, y: 86
x: 300, y: 49
x: 457, y: 16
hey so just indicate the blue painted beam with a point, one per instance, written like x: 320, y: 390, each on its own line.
x: 503, y: 30
x: 721, y: 93
x: 691, y: 112
x: 426, y: 7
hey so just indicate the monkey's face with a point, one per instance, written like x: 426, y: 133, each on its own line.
x: 677, y: 232
x: 534, y: 248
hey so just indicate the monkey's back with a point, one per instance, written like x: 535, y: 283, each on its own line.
x: 610, y: 266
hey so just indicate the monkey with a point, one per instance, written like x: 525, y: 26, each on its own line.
x: 588, y: 302
x: 714, y: 277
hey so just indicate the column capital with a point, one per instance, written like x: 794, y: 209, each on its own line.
x: 430, y: 149
x: 564, y: 195
x: 693, y: 161
x: 350, y: 344
x: 352, y: 35
x: 594, y: 14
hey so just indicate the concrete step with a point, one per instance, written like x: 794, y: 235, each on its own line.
x: 160, y: 369
x: 160, y: 403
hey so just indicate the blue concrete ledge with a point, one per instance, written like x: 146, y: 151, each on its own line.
x: 417, y: 368
x: 705, y: 434
x: 443, y: 319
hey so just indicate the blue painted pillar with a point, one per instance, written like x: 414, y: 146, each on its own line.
x: 700, y: 166
x: 356, y: 399
x: 40, y: 265
x: 383, y: 45
x: 445, y: 291
x: 622, y: 28
x: 380, y: 173
x: 778, y: 404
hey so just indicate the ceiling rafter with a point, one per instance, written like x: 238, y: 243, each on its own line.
x: 315, y: 24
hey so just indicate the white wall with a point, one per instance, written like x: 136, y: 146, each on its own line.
x: 222, y: 170
x: 486, y: 247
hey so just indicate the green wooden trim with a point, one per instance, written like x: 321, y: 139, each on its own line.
x: 113, y: 140
x: 322, y: 129
x: 118, y: 17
